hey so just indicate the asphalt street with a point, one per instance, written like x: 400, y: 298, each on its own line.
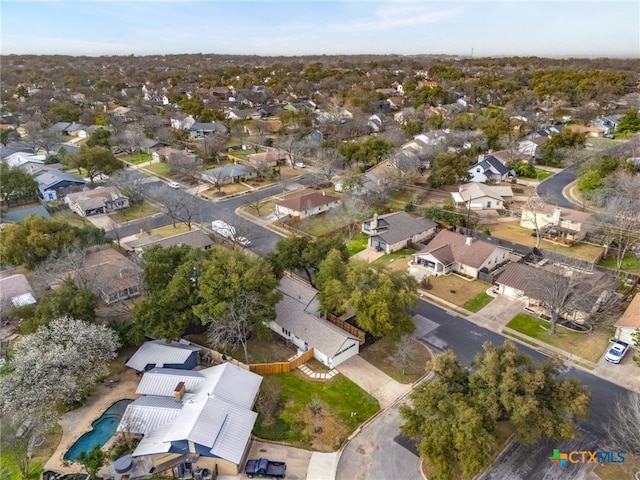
x: 262, y: 239
x: 441, y: 330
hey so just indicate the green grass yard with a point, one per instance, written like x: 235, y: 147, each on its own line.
x: 160, y: 168
x: 478, y: 302
x: 589, y: 346
x: 385, y: 260
x: 357, y: 243
x: 134, y: 212
x: 137, y: 158
x: 292, y: 421
x: 629, y: 263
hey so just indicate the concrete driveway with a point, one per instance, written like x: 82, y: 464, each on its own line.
x: 498, y: 313
x: 103, y: 221
x: 375, y: 382
x: 369, y: 254
x: 624, y: 374
x: 297, y: 459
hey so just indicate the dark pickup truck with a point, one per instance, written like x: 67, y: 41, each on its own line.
x: 264, y: 468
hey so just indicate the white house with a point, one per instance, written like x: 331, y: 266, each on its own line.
x: 190, y: 416
x: 490, y: 169
x: 451, y: 252
x: 478, y: 196
x: 306, y: 205
x: 555, y: 223
x: 298, y: 320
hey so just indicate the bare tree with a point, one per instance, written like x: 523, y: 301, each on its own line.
x: 405, y: 352
x: 131, y: 185
x: 211, y: 145
x: 131, y: 139
x: 534, y: 206
x: 239, y: 322
x: 218, y: 179
x: 256, y: 203
x: 623, y: 431
x: 184, y: 163
x: 182, y: 207
x: 268, y: 400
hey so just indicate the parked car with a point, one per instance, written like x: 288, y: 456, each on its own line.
x: 265, y: 468
x: 617, y: 351
x: 173, y: 185
x: 244, y: 241
x: 300, y: 165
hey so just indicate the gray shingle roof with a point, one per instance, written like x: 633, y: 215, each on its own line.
x: 401, y: 226
x: 453, y: 245
x: 316, y: 332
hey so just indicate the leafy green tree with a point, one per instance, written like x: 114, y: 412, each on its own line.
x: 7, y: 135
x: 630, y: 122
x: 524, y: 169
x: 454, y: 416
x: 66, y: 301
x: 464, y: 121
x: 30, y: 242
x: 16, y: 183
x: 349, y: 152
x: 172, y: 292
x: 412, y: 128
x: 93, y: 461
x: 99, y: 138
x: 494, y: 126
x: 64, y: 112
x: 331, y: 273
x: 449, y: 169
x: 96, y: 160
x: 446, y: 214
x: 430, y: 96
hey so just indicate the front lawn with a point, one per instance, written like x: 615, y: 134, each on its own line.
x: 358, y: 243
x: 343, y: 406
x: 136, y: 158
x: 385, y: 260
x: 67, y: 216
x: 134, y: 212
x: 478, y: 302
x: 455, y: 289
x: 380, y: 355
x: 589, y: 346
x: 540, y: 174
x: 630, y: 263
x: 160, y: 168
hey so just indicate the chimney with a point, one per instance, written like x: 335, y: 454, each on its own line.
x: 374, y: 222
x: 556, y: 216
x: 468, y: 240
x: 324, y: 194
x: 179, y: 391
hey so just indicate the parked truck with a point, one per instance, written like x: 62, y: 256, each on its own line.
x: 262, y: 467
x: 228, y: 232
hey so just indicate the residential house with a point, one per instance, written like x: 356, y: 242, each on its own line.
x: 375, y: 123
x: 201, y: 418
x: 54, y: 183
x: 162, y: 354
x: 15, y: 291
x: 488, y: 170
x: 192, y: 238
x: 629, y: 322
x: 163, y: 154
x: 201, y: 129
x: 182, y: 122
x: 554, y: 223
x: 393, y: 231
x: 300, y: 106
x: 108, y: 273
x: 451, y: 252
x: 270, y: 158
x: 147, y: 145
x: 63, y: 128
x: 229, y: 174
x: 609, y: 123
x: 18, y: 215
x: 298, y: 320
x: 98, y: 201
x: 306, y: 205
x: 18, y: 159
x: 237, y: 114
x: 262, y: 127
x: 585, y: 293
x: 396, y: 102
x: 479, y: 196
x: 270, y: 110
x: 531, y: 147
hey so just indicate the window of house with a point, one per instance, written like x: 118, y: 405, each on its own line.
x: 488, y: 204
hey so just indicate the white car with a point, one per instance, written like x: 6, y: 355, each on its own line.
x: 617, y: 352
x: 173, y: 185
x: 244, y: 241
x: 300, y: 165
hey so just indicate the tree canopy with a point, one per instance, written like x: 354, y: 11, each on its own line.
x: 54, y: 365
x: 96, y: 161
x: 454, y: 416
x: 32, y: 241
x: 449, y: 169
x: 16, y: 183
x: 381, y: 300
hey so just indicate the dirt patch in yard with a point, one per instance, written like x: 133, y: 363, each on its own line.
x: 455, y: 289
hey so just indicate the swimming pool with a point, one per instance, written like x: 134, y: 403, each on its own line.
x: 102, y: 430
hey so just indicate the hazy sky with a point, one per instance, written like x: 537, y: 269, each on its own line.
x: 297, y: 27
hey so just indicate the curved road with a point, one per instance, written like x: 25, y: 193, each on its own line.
x: 378, y: 452
x: 550, y: 190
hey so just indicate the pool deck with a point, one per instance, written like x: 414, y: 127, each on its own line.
x: 78, y: 421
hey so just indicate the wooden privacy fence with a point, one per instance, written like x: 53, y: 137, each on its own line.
x: 347, y: 327
x: 281, y: 367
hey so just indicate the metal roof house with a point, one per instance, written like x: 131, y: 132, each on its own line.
x: 298, y: 320
x: 189, y: 417
x: 160, y: 354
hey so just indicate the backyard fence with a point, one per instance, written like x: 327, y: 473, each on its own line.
x: 281, y: 367
x: 212, y: 356
x: 347, y: 327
